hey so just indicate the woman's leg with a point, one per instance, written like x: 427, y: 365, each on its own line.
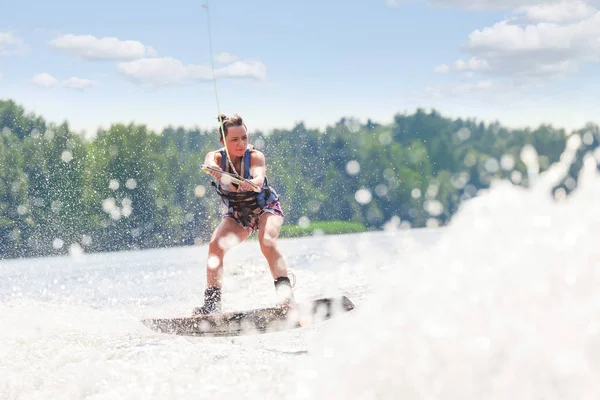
x: 228, y: 234
x: 268, y: 233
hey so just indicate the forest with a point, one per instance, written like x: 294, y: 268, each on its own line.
x: 128, y: 187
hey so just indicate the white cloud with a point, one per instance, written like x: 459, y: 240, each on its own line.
x: 482, y: 5
x: 225, y: 58
x: 11, y: 44
x: 472, y: 65
x: 109, y: 48
x: 155, y: 71
x: 542, y: 49
x: 78, y: 83
x: 243, y: 69
x: 169, y: 71
x: 565, y: 11
x: 46, y: 80
x: 563, y: 36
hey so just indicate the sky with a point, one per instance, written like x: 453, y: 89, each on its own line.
x: 276, y: 63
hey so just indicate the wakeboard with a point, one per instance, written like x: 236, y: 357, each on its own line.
x: 259, y: 320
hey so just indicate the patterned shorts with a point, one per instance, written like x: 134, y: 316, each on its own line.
x: 252, y: 226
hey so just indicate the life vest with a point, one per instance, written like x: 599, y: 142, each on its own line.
x: 246, y: 203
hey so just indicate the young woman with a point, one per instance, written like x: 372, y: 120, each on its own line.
x: 246, y: 212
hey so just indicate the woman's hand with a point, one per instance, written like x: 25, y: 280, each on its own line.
x: 216, y: 174
x: 247, y: 185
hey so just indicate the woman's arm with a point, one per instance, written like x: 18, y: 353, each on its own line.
x: 258, y: 168
x: 213, y: 160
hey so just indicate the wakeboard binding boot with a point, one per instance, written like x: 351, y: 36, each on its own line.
x: 212, y: 302
x: 284, y: 292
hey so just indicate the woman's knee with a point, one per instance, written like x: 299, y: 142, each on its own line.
x: 268, y: 241
x: 215, y: 249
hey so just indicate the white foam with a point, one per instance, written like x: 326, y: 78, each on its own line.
x: 505, y: 305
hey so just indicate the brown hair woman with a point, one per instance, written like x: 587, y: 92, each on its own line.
x: 247, y: 211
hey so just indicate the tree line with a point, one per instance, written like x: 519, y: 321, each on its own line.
x: 131, y: 188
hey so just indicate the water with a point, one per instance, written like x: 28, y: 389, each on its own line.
x: 503, y: 303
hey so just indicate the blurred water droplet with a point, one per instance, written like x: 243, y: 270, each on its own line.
x: 86, y: 240
x: 108, y: 205
x: 131, y: 184
x: 56, y: 206
x: 304, y: 222
x: 363, y: 196
x: 432, y: 191
x: 516, y: 177
x: 57, y: 243
x: 507, y: 161
x: 200, y: 191
x: 491, y: 165
x: 433, y: 207
x: 459, y: 180
x: 393, y: 224
x: 388, y: 174
x: 213, y: 262
x: 115, y: 214
x: 432, y: 223
x: 259, y: 143
x: 66, y: 156
x: 470, y: 160
x: 381, y: 190
x: 463, y: 133
x: 126, y: 211
x: 385, y: 138
x: 75, y: 250
x: 353, y: 167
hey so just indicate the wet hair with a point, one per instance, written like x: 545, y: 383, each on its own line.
x: 236, y: 120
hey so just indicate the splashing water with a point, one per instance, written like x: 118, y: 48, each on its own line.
x: 505, y: 305
x: 502, y: 303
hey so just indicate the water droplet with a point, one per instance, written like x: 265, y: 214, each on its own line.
x: 131, y: 184
x: 66, y: 156
x: 304, y: 222
x: 433, y: 207
x: 463, y: 133
x: 200, y: 191
x: 507, y: 161
x: 385, y: 138
x: 588, y: 138
x: 353, y: 167
x: 491, y: 165
x: 363, y: 196
x: 381, y: 190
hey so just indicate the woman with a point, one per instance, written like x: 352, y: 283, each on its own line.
x: 247, y: 212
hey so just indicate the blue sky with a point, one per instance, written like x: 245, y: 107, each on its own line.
x: 517, y: 61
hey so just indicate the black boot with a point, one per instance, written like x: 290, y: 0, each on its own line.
x: 285, y: 294
x: 212, y: 302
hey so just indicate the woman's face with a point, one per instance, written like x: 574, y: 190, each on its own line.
x: 237, y: 140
